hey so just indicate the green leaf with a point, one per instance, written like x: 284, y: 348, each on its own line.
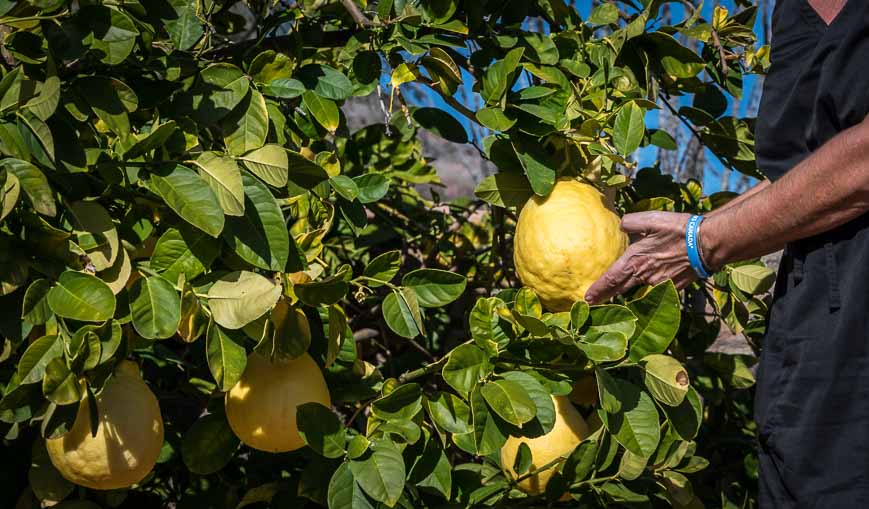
x: 604, y: 14
x: 663, y: 139
x: 35, y: 185
x: 380, y: 472
x: 155, y: 307
x: 239, y: 298
x: 495, y: 119
x: 325, y: 81
x: 35, y: 307
x: 441, y: 123
x: 579, y: 313
x: 111, y: 100
x: 345, y: 187
x: 485, y: 322
x: 324, y: 111
x: 83, y: 297
x: 510, y: 401
x: 675, y: 58
x: 260, y: 237
x: 434, y: 287
x: 284, y: 88
x: 270, y: 163
x: 324, y: 292
x: 658, y: 318
x: 155, y: 138
x: 92, y: 218
x: 665, y: 378
x: 114, y: 33
x: 222, y: 174
x: 432, y: 470
x: 226, y: 357
x: 544, y: 418
x: 402, y: 314
x: 60, y: 385
x: 344, y: 492
x: 537, y: 166
x: 504, y: 189
x: 320, y: 428
x: 732, y: 368
x: 402, y: 404
x: 31, y: 366
x: 466, y: 365
x: 246, y: 126
x: 372, y: 187
x: 208, y: 445
x: 190, y: 197
x: 629, y: 128
x: 223, y: 86
x: 382, y: 268
x: 489, y: 436
x: 752, y: 279
x: 449, y: 412
x: 688, y: 416
x: 186, y: 251
x: 9, y: 194
x: 45, y: 480
x: 632, y: 417
x: 500, y: 76
x: 523, y: 459
x: 184, y: 28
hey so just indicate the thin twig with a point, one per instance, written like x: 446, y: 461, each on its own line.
x: 717, y: 42
x: 355, y: 13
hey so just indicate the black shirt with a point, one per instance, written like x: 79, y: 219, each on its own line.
x: 817, y: 85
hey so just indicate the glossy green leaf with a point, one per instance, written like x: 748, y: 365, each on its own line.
x: 155, y: 307
x: 321, y: 429
x: 246, y: 126
x: 35, y: 307
x: 222, y: 174
x: 325, y: 111
x: 666, y: 379
x: 449, y: 412
x: 441, y: 123
x: 190, y: 197
x: 59, y: 384
x: 34, y: 184
x: 344, y: 492
x: 260, y: 236
x: 325, y: 81
x: 658, y: 320
x: 467, y: 364
x: 402, y: 314
x: 629, y: 128
x: 434, y: 287
x: 184, y: 28
x: 208, y: 445
x: 489, y: 431
x: 504, y: 190
x: 83, y: 297
x: 239, y: 298
x: 380, y: 472
x: 510, y: 401
x: 31, y: 366
x: 270, y: 163
x: 186, y: 251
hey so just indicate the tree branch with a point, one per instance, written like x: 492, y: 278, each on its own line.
x: 355, y: 13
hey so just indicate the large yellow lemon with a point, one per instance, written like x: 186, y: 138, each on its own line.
x: 569, y: 430
x: 261, y: 407
x: 128, y: 439
x: 565, y: 242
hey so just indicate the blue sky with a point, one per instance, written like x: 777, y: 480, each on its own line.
x: 646, y: 156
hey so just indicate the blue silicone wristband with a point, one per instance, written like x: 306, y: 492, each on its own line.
x: 692, y: 245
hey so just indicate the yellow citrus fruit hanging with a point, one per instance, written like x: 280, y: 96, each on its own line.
x: 261, y: 407
x: 565, y: 242
x: 569, y: 430
x: 128, y: 439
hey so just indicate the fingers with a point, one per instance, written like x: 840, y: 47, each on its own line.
x: 639, y: 223
x: 617, y: 280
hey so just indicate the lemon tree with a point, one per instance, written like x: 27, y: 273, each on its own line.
x: 218, y: 291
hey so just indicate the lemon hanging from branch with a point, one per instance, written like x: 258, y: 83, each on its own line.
x: 128, y: 439
x: 565, y: 242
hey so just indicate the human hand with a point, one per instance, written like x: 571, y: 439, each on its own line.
x: 658, y: 255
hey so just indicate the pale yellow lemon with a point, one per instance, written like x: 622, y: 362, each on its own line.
x: 565, y: 242
x: 128, y: 439
x: 569, y: 430
x: 261, y: 407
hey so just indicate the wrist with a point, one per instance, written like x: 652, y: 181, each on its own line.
x: 710, y: 243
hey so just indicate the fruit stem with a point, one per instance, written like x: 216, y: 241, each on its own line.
x: 423, y: 371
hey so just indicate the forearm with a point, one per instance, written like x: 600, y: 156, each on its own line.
x: 742, y: 197
x: 827, y: 189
